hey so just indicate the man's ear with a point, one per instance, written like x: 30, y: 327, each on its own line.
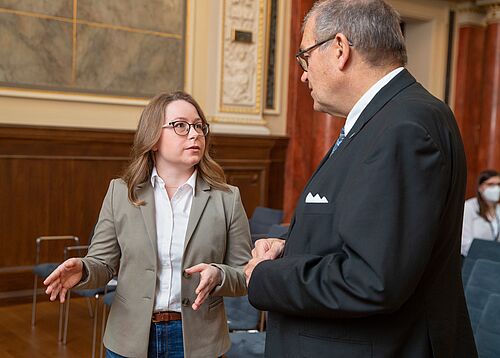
x: 342, y: 50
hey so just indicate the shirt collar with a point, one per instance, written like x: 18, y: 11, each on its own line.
x: 363, y: 102
x: 191, y: 181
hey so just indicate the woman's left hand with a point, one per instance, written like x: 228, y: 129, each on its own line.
x: 210, y: 276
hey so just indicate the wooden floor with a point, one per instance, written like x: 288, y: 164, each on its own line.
x: 18, y: 339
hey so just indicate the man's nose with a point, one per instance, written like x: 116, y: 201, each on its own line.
x: 303, y: 78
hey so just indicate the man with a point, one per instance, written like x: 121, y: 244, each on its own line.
x: 371, y: 265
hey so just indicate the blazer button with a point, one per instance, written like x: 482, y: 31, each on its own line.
x: 185, y: 302
x: 186, y: 275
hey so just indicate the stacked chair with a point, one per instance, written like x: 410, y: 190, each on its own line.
x: 107, y: 302
x: 41, y: 270
x: 481, y: 277
x: 91, y: 295
x: 479, y: 249
x: 488, y: 330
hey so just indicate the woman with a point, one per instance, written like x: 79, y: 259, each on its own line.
x: 177, y: 236
x: 482, y: 213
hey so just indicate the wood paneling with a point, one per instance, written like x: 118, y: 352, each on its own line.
x: 53, y: 181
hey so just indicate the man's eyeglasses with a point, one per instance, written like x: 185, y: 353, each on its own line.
x: 183, y: 128
x: 301, y: 57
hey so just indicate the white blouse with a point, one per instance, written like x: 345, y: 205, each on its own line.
x: 475, y: 227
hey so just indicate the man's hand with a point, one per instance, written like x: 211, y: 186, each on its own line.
x: 210, y: 276
x: 268, y: 249
x: 265, y: 249
x: 64, y: 277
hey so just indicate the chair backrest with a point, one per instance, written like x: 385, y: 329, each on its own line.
x: 277, y: 230
x: 484, y: 280
x: 57, y: 243
x: 241, y: 315
x: 488, y: 330
x: 479, y: 249
x: 262, y: 219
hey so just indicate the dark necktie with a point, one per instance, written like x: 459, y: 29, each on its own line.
x: 337, y: 143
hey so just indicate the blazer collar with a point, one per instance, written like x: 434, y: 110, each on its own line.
x: 200, y: 199
x: 396, y: 85
x: 401, y: 81
x: 145, y: 192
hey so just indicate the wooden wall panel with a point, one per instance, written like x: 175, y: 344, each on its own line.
x: 53, y: 181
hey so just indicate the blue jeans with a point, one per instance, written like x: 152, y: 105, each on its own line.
x: 165, y: 340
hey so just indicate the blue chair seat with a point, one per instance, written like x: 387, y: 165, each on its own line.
x: 247, y: 344
x: 108, y: 298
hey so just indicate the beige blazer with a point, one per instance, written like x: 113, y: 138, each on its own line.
x: 125, y: 238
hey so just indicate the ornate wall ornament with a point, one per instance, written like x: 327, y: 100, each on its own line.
x: 241, y: 75
x: 470, y: 14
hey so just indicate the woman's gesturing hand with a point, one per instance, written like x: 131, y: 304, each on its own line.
x: 210, y: 276
x: 64, y: 277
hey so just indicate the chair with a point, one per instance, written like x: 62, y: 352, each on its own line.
x: 94, y: 293
x: 43, y: 270
x: 261, y: 221
x: 243, y: 321
x: 107, y: 302
x: 278, y: 231
x: 479, y: 249
x: 484, y: 280
x: 488, y: 330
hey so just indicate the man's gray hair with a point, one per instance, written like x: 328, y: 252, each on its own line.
x: 372, y: 26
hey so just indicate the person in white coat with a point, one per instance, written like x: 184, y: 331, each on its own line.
x: 482, y: 213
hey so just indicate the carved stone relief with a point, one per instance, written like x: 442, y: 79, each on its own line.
x: 241, y: 75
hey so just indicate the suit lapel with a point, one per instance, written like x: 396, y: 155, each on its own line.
x: 146, y: 193
x: 396, y: 85
x: 200, y: 199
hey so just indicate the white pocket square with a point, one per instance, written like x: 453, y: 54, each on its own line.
x: 316, y: 199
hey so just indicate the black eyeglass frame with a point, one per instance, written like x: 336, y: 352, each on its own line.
x: 205, y: 127
x: 303, y: 61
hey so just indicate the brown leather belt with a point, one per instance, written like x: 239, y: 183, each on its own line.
x: 166, y: 316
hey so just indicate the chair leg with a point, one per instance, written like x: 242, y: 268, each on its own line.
x: 94, y: 333
x: 66, y: 318
x: 262, y: 321
x: 61, y: 317
x: 89, y: 307
x: 33, y: 308
x: 103, y: 327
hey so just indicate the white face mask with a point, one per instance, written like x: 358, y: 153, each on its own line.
x: 491, y: 193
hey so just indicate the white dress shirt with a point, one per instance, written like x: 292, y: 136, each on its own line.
x: 172, y: 216
x: 475, y: 227
x: 365, y: 99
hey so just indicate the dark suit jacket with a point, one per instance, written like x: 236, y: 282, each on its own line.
x: 375, y: 272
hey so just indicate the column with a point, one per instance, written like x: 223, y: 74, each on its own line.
x: 469, y: 72
x: 489, y: 142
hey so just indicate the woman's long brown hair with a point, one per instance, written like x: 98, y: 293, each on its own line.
x: 147, y: 135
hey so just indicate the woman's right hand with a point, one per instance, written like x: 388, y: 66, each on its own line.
x: 64, y: 277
